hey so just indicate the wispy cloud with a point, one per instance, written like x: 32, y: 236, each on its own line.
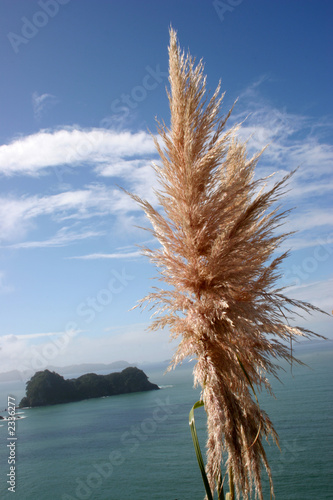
x: 41, y: 103
x: 308, y: 219
x: 62, y: 238
x: 120, y: 168
x: 319, y: 293
x: 93, y: 256
x: 290, y: 141
x: 15, y: 338
x: 4, y: 287
x: 17, y: 215
x: 297, y: 243
x: 293, y: 141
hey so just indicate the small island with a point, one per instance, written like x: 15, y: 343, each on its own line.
x: 49, y: 388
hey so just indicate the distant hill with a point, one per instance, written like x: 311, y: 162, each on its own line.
x: 49, y: 388
x: 90, y: 367
x: 14, y: 375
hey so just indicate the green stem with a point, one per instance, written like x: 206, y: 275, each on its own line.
x: 197, y: 449
x: 232, y: 486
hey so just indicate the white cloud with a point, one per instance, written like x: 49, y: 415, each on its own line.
x: 109, y: 154
x: 294, y: 140
x: 71, y: 146
x: 120, y: 168
x: 139, y: 174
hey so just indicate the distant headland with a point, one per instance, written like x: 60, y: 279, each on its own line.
x: 70, y: 370
x: 49, y: 388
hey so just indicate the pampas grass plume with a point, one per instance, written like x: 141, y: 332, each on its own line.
x: 217, y: 256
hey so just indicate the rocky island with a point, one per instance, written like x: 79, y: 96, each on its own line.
x: 49, y: 388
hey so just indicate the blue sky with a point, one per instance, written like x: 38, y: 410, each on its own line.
x: 82, y: 83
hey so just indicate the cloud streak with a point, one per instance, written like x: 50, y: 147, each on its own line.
x: 94, y: 256
x: 319, y: 293
x: 17, y: 215
x: 15, y: 338
x: 62, y: 238
x: 71, y: 146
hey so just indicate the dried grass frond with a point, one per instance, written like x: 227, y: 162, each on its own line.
x: 218, y: 242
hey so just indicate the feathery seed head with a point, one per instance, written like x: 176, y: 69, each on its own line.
x: 218, y: 239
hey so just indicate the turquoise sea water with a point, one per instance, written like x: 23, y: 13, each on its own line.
x: 138, y: 446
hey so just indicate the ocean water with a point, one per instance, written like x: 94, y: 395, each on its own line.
x: 138, y: 446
